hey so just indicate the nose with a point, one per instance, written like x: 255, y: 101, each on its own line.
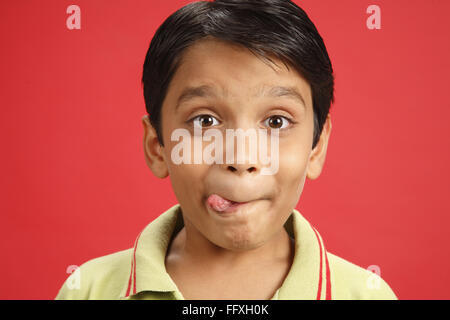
x: 241, y: 151
x: 242, y: 161
x: 241, y: 168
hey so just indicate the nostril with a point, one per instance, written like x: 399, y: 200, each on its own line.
x: 233, y: 169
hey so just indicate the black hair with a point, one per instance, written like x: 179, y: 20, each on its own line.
x: 267, y: 28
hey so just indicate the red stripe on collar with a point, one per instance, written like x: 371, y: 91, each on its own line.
x: 319, y: 289
x: 327, y: 266
x: 129, y: 279
x: 132, y: 278
x: 328, y: 290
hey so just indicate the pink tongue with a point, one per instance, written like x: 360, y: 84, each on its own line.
x: 218, y: 203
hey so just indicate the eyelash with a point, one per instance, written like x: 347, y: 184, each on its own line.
x: 289, y: 120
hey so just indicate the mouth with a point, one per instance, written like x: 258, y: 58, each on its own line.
x: 223, y: 205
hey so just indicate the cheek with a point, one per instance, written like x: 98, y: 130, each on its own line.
x: 293, y: 162
x: 185, y: 178
x: 186, y: 181
x: 292, y: 168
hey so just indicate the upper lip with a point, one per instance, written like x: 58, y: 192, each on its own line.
x: 237, y: 189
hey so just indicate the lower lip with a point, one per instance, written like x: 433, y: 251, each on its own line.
x: 234, y: 207
x: 231, y: 209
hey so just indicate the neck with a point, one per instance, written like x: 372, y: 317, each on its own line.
x: 191, y: 247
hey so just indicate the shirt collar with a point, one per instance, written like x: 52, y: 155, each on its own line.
x: 308, y: 277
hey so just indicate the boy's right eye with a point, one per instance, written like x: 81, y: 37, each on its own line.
x: 204, y: 120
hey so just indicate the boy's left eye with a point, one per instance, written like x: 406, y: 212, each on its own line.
x: 277, y: 122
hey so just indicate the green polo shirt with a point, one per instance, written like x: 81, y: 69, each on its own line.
x: 140, y: 273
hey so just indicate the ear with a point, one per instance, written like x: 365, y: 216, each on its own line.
x: 318, y: 154
x: 154, y: 155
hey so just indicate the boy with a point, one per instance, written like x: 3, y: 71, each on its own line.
x: 235, y: 234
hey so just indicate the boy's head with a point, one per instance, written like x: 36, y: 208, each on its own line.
x: 245, y: 64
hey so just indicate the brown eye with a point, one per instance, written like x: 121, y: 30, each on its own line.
x: 204, y: 120
x: 277, y: 122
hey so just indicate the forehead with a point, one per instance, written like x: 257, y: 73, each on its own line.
x: 213, y: 67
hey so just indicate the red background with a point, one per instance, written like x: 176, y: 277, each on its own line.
x: 75, y: 186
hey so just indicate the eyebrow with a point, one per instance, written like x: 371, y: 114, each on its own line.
x: 189, y: 93
x: 205, y: 91
x: 288, y: 92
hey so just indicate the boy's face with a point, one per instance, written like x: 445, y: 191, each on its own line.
x: 240, y: 98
